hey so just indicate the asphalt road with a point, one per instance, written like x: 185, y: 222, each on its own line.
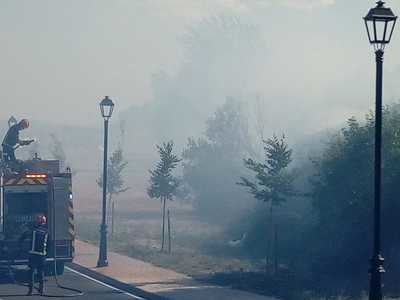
x: 13, y: 287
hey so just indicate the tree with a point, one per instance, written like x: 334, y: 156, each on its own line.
x: 115, y: 181
x: 211, y: 162
x: 343, y: 203
x: 163, y: 184
x: 210, y: 48
x: 273, y: 184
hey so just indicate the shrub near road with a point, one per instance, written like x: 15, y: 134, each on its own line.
x: 343, y: 202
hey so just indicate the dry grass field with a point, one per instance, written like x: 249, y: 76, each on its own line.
x: 199, y: 249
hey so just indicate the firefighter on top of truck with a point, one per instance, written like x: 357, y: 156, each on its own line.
x: 37, y: 251
x: 12, y: 141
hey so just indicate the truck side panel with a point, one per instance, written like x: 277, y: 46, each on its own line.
x: 64, y: 225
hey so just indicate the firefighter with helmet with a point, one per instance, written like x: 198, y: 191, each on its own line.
x: 12, y: 141
x: 38, y: 237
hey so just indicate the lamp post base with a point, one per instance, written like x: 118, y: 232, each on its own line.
x: 102, y: 261
x: 101, y: 264
x: 376, y: 271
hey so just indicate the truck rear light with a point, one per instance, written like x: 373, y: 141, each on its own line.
x: 35, y: 176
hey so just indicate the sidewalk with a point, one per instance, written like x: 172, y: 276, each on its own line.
x: 149, y: 278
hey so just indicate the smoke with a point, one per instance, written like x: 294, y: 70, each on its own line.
x: 306, y: 4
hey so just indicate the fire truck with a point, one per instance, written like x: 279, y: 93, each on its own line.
x: 39, y: 189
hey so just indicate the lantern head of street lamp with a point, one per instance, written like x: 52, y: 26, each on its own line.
x: 380, y: 22
x: 106, y: 107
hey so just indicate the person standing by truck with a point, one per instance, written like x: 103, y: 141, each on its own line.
x: 37, y: 253
x: 12, y: 140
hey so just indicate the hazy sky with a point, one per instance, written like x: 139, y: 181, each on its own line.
x: 59, y: 58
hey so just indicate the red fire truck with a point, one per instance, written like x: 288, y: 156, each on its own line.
x: 40, y: 189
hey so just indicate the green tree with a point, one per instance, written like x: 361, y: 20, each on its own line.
x: 115, y: 181
x: 163, y: 184
x: 211, y: 162
x: 343, y: 195
x: 273, y: 183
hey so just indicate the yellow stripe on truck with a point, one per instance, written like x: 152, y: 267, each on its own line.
x: 71, y: 219
x: 10, y: 182
x: 21, y: 181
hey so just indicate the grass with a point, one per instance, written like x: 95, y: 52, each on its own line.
x: 199, y: 250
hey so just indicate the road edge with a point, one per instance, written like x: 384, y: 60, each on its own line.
x: 115, y: 283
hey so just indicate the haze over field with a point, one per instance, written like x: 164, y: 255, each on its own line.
x: 298, y: 66
x: 271, y: 175
x: 309, y: 60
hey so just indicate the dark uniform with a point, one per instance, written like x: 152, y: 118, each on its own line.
x: 10, y: 141
x: 37, y: 254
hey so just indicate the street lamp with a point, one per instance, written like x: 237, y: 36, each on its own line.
x: 379, y: 22
x: 106, y: 108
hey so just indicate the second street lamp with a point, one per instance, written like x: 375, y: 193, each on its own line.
x: 380, y: 22
x: 106, y: 108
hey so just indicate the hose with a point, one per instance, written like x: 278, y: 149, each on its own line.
x: 77, y: 292
x: 11, y: 274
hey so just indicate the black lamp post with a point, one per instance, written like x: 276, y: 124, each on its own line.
x: 380, y: 22
x: 106, y: 107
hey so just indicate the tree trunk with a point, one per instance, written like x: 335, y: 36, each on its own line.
x: 169, y: 233
x: 276, y: 250
x: 163, y: 225
x: 269, y: 240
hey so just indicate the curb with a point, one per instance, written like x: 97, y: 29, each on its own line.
x: 116, y: 283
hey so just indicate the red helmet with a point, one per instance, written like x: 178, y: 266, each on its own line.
x: 41, y: 220
x: 24, y: 123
